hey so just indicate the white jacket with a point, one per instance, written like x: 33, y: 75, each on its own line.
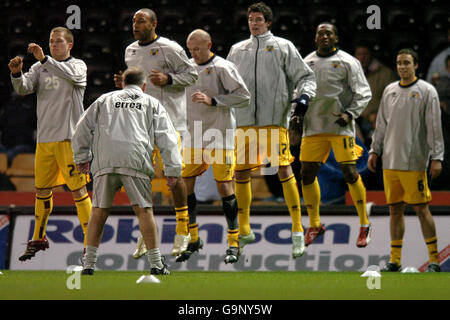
x: 220, y: 80
x: 121, y: 129
x: 341, y: 87
x: 59, y: 87
x: 169, y: 57
x: 272, y: 69
x: 408, y: 129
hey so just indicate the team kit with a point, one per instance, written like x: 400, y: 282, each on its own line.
x: 236, y: 115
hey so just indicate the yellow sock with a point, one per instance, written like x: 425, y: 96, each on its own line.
x: 182, y: 216
x: 42, y: 209
x: 311, y: 195
x: 84, y: 208
x: 233, y: 238
x: 244, y: 199
x: 432, y: 249
x: 396, y: 251
x: 292, y: 197
x: 358, y: 193
x: 193, y: 230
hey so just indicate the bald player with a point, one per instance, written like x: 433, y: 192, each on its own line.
x: 168, y: 72
x: 210, y: 108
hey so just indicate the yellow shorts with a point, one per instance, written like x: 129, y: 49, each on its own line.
x: 256, y: 146
x: 54, y: 166
x: 317, y: 148
x: 157, y: 156
x: 406, y: 186
x: 197, y: 161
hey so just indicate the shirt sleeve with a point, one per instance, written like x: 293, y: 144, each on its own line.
x: 300, y: 73
x: 26, y: 83
x: 83, y: 137
x: 358, y: 84
x: 380, y: 128
x: 435, y: 138
x: 73, y: 70
x: 184, y: 73
x: 166, y: 139
x: 237, y: 94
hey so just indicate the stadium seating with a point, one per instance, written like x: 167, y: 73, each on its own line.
x: 3, y: 162
x: 21, y: 172
x: 22, y: 165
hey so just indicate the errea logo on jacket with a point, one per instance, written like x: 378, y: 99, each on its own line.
x: 130, y: 105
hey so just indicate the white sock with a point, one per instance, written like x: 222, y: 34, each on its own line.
x: 154, y: 257
x: 90, y: 257
x: 297, y: 234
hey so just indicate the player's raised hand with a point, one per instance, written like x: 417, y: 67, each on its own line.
x: 118, y: 80
x: 158, y: 78
x: 37, y: 51
x: 200, y: 97
x: 15, y: 64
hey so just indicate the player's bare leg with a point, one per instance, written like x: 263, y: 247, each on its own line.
x: 94, y: 236
x: 397, y: 230
x: 147, y: 226
x: 429, y: 234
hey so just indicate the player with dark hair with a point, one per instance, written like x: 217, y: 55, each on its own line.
x: 168, y: 73
x: 59, y: 80
x: 272, y: 69
x: 408, y: 134
x: 122, y: 157
x: 329, y: 123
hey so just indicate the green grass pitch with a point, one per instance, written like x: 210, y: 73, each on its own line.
x: 223, y: 286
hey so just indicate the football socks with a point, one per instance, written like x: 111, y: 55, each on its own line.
x: 396, y: 252
x: 182, y: 216
x: 43, y: 208
x: 290, y: 191
x: 358, y: 193
x: 311, y: 195
x: 84, y: 207
x: 154, y: 257
x: 244, y: 200
x: 432, y: 249
x: 90, y: 257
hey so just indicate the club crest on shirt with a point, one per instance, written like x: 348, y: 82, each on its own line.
x: 335, y: 64
x: 414, y: 95
x: 209, y: 70
x: 269, y: 48
x: 154, y: 52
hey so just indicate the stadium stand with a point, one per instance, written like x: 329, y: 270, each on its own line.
x: 106, y: 29
x: 21, y: 172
